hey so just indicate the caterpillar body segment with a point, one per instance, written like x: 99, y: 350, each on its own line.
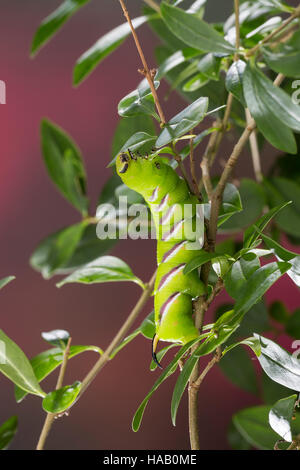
x: 174, y: 211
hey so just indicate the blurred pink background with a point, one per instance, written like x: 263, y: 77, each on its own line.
x: 31, y: 209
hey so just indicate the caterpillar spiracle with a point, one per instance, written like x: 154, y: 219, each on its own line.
x: 168, y: 196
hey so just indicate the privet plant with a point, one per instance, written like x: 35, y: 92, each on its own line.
x: 239, y: 80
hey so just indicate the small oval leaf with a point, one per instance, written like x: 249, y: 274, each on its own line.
x: 60, y: 400
x: 103, y: 269
x: 280, y: 417
x: 16, y: 367
x: 7, y: 431
x: 186, y: 120
x: 56, y: 337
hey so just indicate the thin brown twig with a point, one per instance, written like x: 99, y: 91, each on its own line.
x: 146, y: 71
x: 105, y: 357
x: 284, y: 36
x: 51, y: 416
x: 213, y: 147
x: 193, y: 391
x: 193, y: 170
x: 295, y: 444
x: 202, y: 304
x: 254, y: 150
x: 230, y: 164
x: 216, y: 358
x: 153, y: 5
x: 182, y: 169
x: 237, y: 27
x: 274, y: 33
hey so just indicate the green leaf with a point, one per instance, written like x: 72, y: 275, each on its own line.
x: 199, y: 260
x: 209, y: 66
x: 231, y: 204
x: 249, y: 12
x: 256, y: 320
x: 266, y: 27
x: 221, y: 331
x: 88, y: 248
x: 215, y: 91
x: 240, y: 272
x: 7, y: 432
x: 280, y: 417
x: 16, y: 367
x: 139, y: 101
x: 251, y: 342
x: 234, y: 80
x: 186, y: 120
x: 64, y: 164
x: 56, y: 250
x: 184, y: 73
x: 6, y: 280
x: 147, y: 329
x: 251, y: 234
x: 272, y: 391
x: 292, y: 326
x: 102, y: 48
x: 252, y: 423
x: 181, y: 385
x: 237, y: 366
x: 128, y: 126
x: 103, y: 269
x: 196, y: 82
x: 280, y: 190
x: 194, y: 31
x: 220, y: 265
x: 160, y: 355
x: 140, y: 141
x: 54, y: 21
x: 278, y: 364
x: 252, y: 203
x: 272, y: 108
x: 276, y: 4
x: 196, y: 141
x: 217, y: 336
x: 170, y: 369
x: 236, y: 441
x: 47, y: 361
x: 60, y: 400
x: 108, y: 191
x: 158, y: 26
x: 285, y: 57
x: 179, y: 57
x: 278, y: 311
x: 132, y: 196
x: 258, y: 283
x: 285, y: 255
x: 58, y: 338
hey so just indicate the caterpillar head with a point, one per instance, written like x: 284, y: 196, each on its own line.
x: 139, y: 172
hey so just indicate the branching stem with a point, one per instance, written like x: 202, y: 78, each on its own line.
x: 276, y: 31
x: 51, y: 416
x: 146, y: 71
x: 105, y: 357
x: 152, y: 4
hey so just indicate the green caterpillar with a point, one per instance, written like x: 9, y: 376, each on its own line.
x: 167, y: 195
